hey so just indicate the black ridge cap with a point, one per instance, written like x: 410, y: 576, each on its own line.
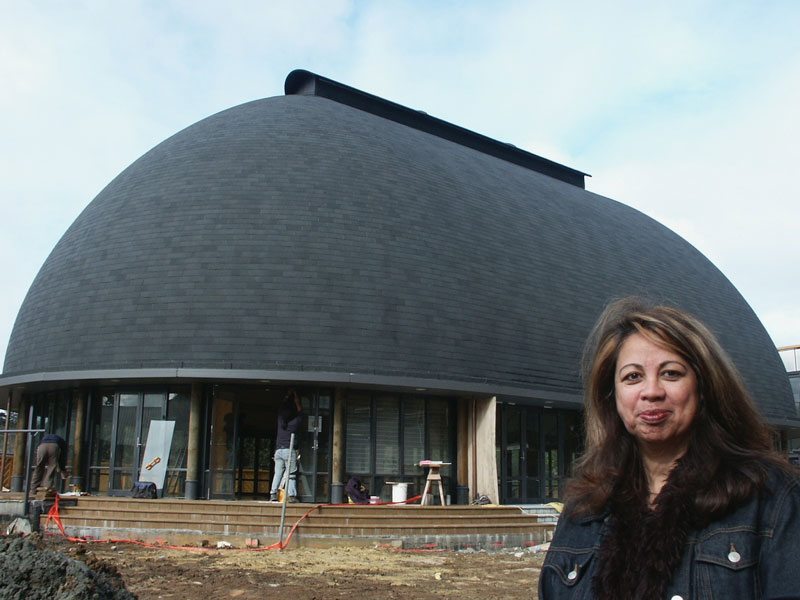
x: 305, y: 83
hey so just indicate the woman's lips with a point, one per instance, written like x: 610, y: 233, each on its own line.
x: 653, y: 417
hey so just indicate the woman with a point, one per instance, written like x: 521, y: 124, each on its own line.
x: 679, y: 494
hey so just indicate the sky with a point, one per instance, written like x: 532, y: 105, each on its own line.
x: 684, y: 110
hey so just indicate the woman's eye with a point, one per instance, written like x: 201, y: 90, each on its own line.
x: 672, y: 374
x: 631, y: 377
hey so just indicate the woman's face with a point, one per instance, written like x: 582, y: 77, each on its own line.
x: 656, y: 394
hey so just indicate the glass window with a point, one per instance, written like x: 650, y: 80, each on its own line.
x: 388, y: 435
x: 413, y: 434
x: 73, y: 420
x: 573, y: 439
x: 60, y: 405
x: 795, y: 381
x: 222, y: 445
x: 532, y: 454
x: 323, y: 436
x: 439, y: 430
x: 513, y: 440
x: 790, y: 359
x: 102, y: 425
x: 151, y: 411
x: 439, y: 439
x: 178, y: 406
x: 247, y: 462
x: 304, y: 441
x: 126, y: 431
x: 358, y: 440
x: 387, y: 432
x: 550, y: 433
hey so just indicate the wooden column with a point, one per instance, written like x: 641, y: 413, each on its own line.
x: 6, y: 427
x: 463, y: 441
x: 78, y: 478
x: 193, y: 452
x: 337, y: 474
x: 20, y: 441
x: 462, y: 451
x: 482, y: 452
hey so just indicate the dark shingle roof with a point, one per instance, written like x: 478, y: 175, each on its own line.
x: 301, y: 233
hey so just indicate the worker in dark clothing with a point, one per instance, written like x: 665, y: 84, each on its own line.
x: 357, y: 491
x: 51, y: 458
x: 290, y: 420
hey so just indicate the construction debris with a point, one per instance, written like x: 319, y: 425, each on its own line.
x: 30, y: 571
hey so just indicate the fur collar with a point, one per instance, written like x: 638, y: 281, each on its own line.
x: 642, y: 547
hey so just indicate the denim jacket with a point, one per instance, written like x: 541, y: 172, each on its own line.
x: 751, y: 553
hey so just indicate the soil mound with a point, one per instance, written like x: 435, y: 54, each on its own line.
x: 29, y: 571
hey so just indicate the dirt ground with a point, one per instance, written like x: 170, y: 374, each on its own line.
x: 313, y: 573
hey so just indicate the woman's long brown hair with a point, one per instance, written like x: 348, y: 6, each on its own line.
x: 729, y: 445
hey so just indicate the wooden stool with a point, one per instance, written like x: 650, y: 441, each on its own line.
x: 433, y: 475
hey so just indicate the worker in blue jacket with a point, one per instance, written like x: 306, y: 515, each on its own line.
x: 290, y: 420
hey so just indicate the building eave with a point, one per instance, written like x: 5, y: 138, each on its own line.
x: 44, y: 380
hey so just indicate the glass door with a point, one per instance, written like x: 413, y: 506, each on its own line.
x: 222, y: 467
x: 535, y: 451
x: 551, y: 442
x: 528, y: 446
x: 512, y: 456
x: 254, y: 466
x: 314, y: 448
x: 133, y: 413
x: 532, y: 468
x: 242, y: 443
x: 255, y: 442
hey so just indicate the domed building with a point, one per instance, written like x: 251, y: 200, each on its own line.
x: 427, y: 290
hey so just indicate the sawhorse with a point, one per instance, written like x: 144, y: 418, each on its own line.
x: 433, y: 476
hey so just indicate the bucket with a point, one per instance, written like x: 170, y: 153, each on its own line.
x: 399, y: 492
x: 374, y: 499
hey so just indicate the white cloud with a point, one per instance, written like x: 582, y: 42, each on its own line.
x: 722, y: 179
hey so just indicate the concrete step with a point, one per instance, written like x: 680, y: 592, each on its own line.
x: 547, y: 513
x: 319, y: 515
x: 255, y: 507
x: 190, y: 521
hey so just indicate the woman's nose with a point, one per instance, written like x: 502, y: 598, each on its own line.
x: 653, y: 389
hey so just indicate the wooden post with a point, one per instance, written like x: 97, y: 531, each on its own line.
x: 20, y: 441
x: 462, y: 472
x: 193, y: 443
x: 5, y: 441
x: 337, y: 473
x: 78, y: 478
x: 482, y: 453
